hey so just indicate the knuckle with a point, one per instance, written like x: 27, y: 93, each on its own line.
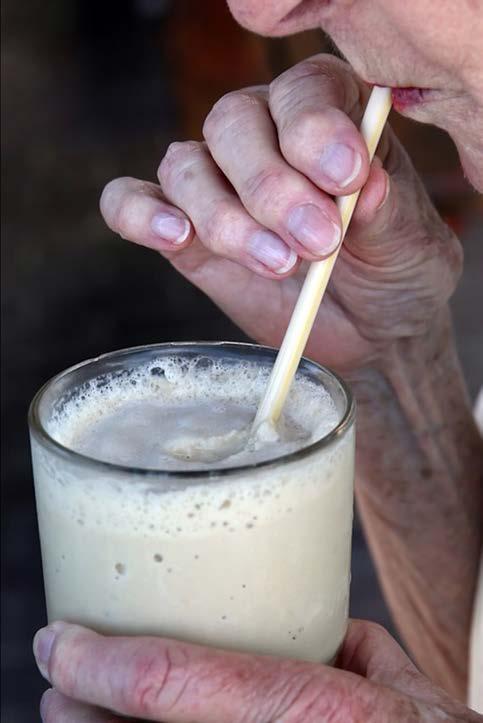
x: 264, y: 187
x: 178, y: 156
x: 320, y: 67
x: 219, y: 680
x: 298, y: 128
x: 375, y: 628
x: 324, y: 66
x: 325, y: 69
x: 112, y: 192
x: 375, y: 631
x: 310, y: 700
x: 325, y: 73
x: 228, y: 110
x: 156, y: 682
x: 221, y: 223
x: 331, y: 701
x: 126, y: 217
x: 285, y: 80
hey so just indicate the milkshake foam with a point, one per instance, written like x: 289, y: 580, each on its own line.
x: 183, y: 415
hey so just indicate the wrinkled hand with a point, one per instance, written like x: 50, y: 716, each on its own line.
x: 163, y: 680
x: 236, y: 214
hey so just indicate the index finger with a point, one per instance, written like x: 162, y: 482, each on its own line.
x: 57, y: 708
x: 160, y: 679
x: 315, y: 106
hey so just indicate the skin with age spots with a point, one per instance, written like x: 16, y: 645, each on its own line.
x: 258, y: 198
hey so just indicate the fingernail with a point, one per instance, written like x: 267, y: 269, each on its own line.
x: 170, y: 228
x: 44, y: 701
x: 313, y: 229
x: 271, y: 251
x: 386, y: 193
x: 43, y: 642
x: 340, y: 163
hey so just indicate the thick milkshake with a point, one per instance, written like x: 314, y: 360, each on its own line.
x: 160, y: 514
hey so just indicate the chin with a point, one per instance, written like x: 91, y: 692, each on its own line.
x: 438, y: 109
x: 472, y: 166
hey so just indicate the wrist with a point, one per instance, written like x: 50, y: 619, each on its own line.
x: 414, y: 365
x: 414, y: 417
x: 414, y: 414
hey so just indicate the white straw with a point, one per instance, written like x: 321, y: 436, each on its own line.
x: 318, y: 275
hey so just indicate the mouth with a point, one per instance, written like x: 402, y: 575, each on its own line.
x: 404, y: 98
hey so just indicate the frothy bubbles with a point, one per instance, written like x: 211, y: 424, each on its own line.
x: 179, y: 414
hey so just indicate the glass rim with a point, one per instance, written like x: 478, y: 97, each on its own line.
x: 41, y: 434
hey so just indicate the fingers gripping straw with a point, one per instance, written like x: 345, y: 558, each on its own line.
x: 318, y: 275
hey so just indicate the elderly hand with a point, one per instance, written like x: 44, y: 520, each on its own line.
x: 163, y: 680
x: 237, y: 213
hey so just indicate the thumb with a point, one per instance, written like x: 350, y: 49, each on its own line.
x: 57, y: 708
x: 166, y: 680
x: 394, y: 219
x: 371, y: 652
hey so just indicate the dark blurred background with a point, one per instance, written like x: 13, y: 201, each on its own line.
x: 93, y: 90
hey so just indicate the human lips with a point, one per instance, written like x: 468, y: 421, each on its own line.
x: 404, y: 98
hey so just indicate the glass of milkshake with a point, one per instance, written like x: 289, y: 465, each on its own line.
x: 159, y: 514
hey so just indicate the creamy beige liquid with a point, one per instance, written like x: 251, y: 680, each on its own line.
x: 254, y: 560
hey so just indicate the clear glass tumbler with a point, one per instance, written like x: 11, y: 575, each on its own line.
x: 253, y: 558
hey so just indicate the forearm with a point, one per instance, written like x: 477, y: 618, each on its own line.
x: 419, y: 489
